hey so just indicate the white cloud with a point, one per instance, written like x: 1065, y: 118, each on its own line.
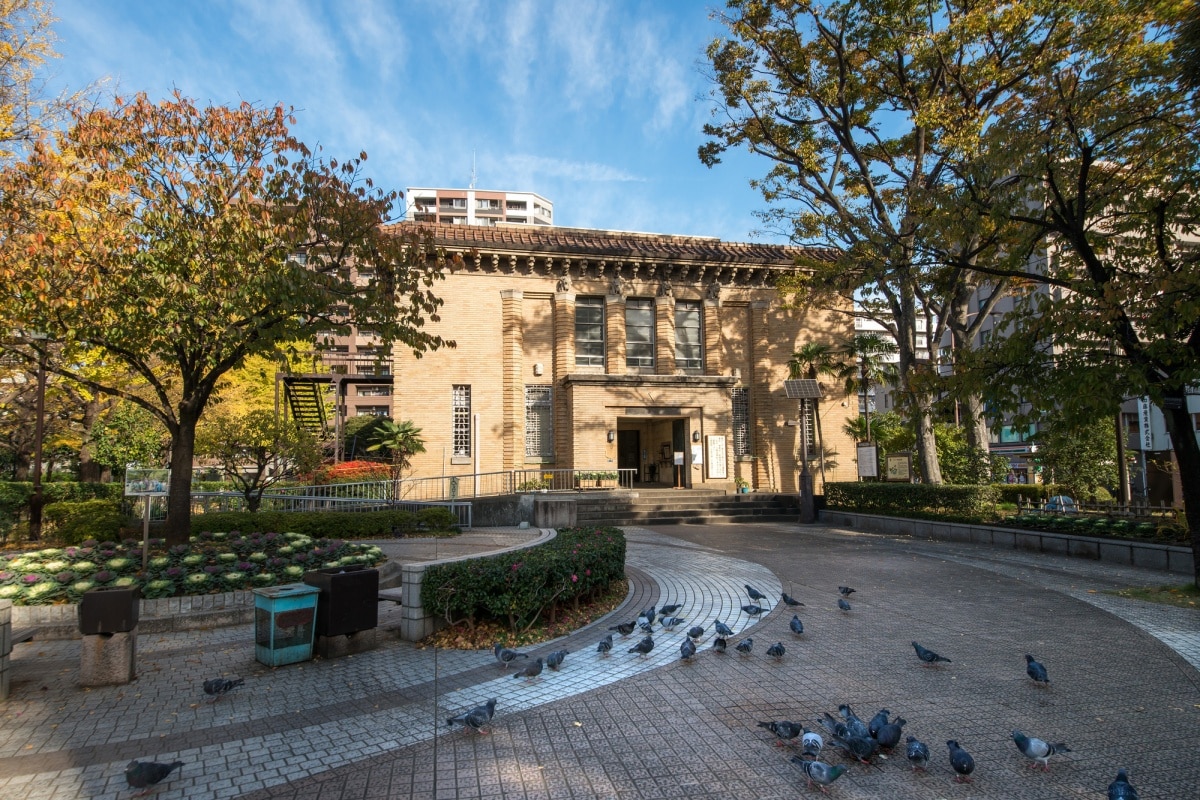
x: 291, y: 27
x: 375, y: 34
x: 554, y: 168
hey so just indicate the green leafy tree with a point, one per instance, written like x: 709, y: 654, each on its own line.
x: 1081, y: 457
x: 181, y: 240
x: 128, y: 434
x: 400, y: 441
x: 257, y: 450
x: 963, y: 463
x: 887, y: 431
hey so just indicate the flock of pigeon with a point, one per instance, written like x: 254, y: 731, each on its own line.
x: 858, y: 739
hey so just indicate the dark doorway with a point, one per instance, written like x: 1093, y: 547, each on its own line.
x: 679, y: 443
x: 629, y: 444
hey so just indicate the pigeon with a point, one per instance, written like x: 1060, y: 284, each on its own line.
x: 928, y: 656
x: 845, y: 591
x: 1121, y: 788
x: 646, y: 627
x: 643, y: 647
x: 856, y: 726
x: 776, y: 650
x: 531, y: 671
x: 669, y: 623
x: 835, y: 727
x: 696, y: 631
x: 719, y: 644
x: 647, y: 615
x: 505, y: 656
x: 791, y: 601
x: 216, y: 688
x: 754, y: 594
x: 861, y: 747
x: 961, y: 761
x: 1036, y: 670
x: 687, y: 649
x: 878, y: 721
x: 843, y: 605
x: 890, y: 733
x: 819, y: 772
x: 917, y: 752
x: 667, y: 611
x: 476, y: 718
x: 604, y: 647
x: 1033, y: 748
x: 753, y: 611
x: 745, y: 646
x: 722, y: 629
x: 812, y: 743
x: 625, y: 628
x: 555, y: 659
x: 146, y: 774
x: 784, y: 731
x: 796, y: 625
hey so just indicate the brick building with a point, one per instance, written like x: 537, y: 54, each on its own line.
x: 600, y: 350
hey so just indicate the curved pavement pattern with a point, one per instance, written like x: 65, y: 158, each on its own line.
x: 628, y: 727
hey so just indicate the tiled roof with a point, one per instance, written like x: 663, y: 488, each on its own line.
x: 556, y: 241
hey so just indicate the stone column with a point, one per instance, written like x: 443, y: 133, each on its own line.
x: 712, y: 337
x: 564, y: 364
x: 614, y: 334
x: 664, y: 334
x: 512, y: 356
x: 761, y: 406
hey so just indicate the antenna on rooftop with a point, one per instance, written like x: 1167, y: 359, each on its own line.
x: 472, y: 186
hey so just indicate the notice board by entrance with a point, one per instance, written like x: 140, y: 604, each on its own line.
x: 717, y: 467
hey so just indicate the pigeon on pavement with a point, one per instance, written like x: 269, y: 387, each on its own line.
x: 812, y: 743
x: 643, y: 647
x: 928, y: 656
x: 722, y: 629
x: 861, y: 747
x: 843, y: 605
x: 784, y: 730
x: 145, y: 775
x: 1121, y: 788
x: 835, y: 726
x: 745, y: 646
x: 1039, y: 751
x: 667, y: 611
x: 776, y: 650
x: 856, y: 726
x: 791, y: 601
x: 647, y: 615
x: 878, y: 721
x: 961, y: 762
x: 696, y: 631
x: 476, y: 718
x: 532, y: 671
x: 605, y: 645
x: 845, y: 591
x: 818, y: 772
x: 669, y: 623
x: 216, y: 688
x: 796, y: 625
x: 646, y: 627
x: 505, y: 656
x: 1036, y: 670
x: 719, y: 644
x: 754, y: 594
x: 752, y: 610
x: 890, y: 733
x: 555, y: 659
x: 625, y: 628
x: 917, y: 753
x: 687, y: 649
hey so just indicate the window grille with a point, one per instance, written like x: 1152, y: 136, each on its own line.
x: 688, y: 341
x: 741, y: 421
x: 639, y: 332
x: 461, y: 405
x: 589, y: 331
x: 539, y: 422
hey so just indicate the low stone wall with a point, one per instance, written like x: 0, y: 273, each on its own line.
x: 1168, y: 558
x: 5, y: 646
x: 417, y: 622
x: 155, y: 616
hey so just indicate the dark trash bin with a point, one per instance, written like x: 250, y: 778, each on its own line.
x: 108, y: 609
x: 349, y: 599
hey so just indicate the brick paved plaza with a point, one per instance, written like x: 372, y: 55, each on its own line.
x: 1125, y: 689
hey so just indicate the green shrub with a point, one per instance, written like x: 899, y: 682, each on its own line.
x: 340, y: 524
x: 904, y: 498
x: 75, y: 522
x: 437, y: 518
x: 519, y: 587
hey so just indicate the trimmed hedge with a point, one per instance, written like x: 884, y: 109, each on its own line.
x: 904, y: 498
x: 14, y: 495
x: 76, y: 522
x: 340, y: 524
x: 518, y: 588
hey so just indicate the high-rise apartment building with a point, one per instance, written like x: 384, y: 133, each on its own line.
x: 477, y: 207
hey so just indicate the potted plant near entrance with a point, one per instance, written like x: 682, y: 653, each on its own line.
x: 743, y: 486
x: 607, y: 479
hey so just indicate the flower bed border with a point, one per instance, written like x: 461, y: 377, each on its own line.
x: 162, y: 615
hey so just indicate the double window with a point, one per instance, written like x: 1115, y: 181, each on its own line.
x: 539, y: 422
x: 461, y: 419
x: 688, y: 340
x: 639, y: 332
x: 589, y: 331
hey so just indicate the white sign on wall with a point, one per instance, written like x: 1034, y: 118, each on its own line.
x: 868, y: 461
x: 717, y: 465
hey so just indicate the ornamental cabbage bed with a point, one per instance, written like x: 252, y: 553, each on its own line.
x: 212, y: 562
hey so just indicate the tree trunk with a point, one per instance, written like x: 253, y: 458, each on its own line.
x: 1187, y: 453
x: 178, y: 527
x: 974, y: 422
x: 931, y: 470
x: 89, y: 470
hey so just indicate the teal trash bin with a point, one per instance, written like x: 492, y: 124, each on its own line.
x: 284, y: 623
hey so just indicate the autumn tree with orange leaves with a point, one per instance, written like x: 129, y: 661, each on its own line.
x: 179, y: 240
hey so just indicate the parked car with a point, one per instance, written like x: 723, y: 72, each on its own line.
x: 1062, y: 504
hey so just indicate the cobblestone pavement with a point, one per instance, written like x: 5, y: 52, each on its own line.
x: 632, y: 727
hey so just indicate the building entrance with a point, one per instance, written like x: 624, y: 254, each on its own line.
x: 629, y: 453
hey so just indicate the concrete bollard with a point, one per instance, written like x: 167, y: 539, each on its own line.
x: 108, y: 659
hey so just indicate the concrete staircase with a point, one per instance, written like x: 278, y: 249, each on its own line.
x: 649, y: 507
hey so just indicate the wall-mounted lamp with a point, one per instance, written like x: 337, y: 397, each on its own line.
x: 612, y: 436
x: 695, y: 436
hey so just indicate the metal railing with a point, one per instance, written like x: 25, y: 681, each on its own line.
x: 491, y: 484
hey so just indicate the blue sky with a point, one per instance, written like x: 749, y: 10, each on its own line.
x: 596, y: 105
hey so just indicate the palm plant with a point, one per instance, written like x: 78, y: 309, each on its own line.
x: 400, y: 441
x: 865, y: 363
x: 810, y: 361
